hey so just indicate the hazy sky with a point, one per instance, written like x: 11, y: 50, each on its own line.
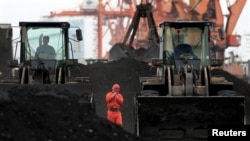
x: 13, y: 11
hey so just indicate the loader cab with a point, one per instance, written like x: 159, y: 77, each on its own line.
x: 55, y: 49
x: 184, y: 51
x: 32, y: 34
x: 185, y: 42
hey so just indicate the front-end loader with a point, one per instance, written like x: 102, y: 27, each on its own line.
x: 182, y: 100
x: 40, y: 74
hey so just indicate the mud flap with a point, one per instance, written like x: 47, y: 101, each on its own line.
x: 79, y: 93
x: 186, y: 118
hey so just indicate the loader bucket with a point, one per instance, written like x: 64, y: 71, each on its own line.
x: 121, y: 50
x: 146, y: 55
x: 79, y: 93
x: 186, y: 118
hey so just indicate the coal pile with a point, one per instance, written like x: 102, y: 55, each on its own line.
x: 53, y: 118
x: 26, y: 114
x: 125, y: 72
x: 240, y: 86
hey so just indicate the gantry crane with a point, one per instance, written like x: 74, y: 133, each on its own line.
x: 201, y: 10
x: 102, y: 12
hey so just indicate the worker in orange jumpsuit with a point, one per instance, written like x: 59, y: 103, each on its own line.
x: 114, y: 100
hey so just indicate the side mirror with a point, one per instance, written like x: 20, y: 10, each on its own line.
x: 79, y: 34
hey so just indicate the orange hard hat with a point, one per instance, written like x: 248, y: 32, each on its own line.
x: 116, y: 87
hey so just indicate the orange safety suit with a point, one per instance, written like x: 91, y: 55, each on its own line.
x: 114, y: 100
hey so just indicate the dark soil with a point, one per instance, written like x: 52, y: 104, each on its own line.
x: 27, y: 114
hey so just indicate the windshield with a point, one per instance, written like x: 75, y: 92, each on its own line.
x: 185, y: 43
x: 44, y: 43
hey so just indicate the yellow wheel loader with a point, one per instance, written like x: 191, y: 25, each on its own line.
x: 55, y: 72
x: 182, y: 100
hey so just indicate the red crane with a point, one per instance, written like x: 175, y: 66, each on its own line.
x: 103, y: 11
x: 209, y: 10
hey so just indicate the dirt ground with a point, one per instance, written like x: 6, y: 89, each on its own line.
x: 26, y: 114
